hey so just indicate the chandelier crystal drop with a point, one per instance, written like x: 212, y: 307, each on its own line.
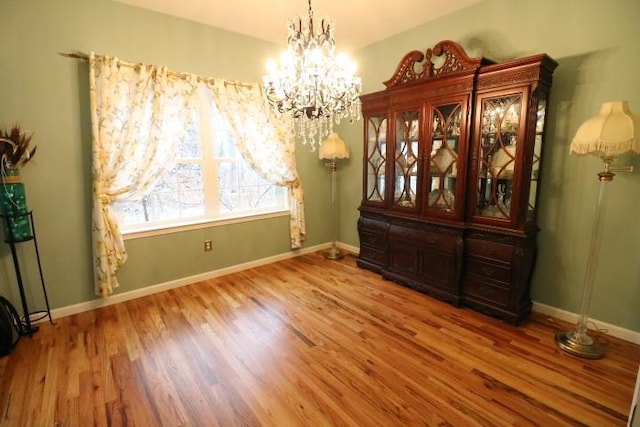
x: 312, y: 84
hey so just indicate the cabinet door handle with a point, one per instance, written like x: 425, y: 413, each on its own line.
x: 489, y: 251
x: 486, y: 291
x: 489, y: 271
x: 432, y: 241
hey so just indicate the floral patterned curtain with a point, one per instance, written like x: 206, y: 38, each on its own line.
x: 138, y: 116
x: 266, y: 142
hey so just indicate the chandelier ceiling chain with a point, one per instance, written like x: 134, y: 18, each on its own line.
x: 312, y: 84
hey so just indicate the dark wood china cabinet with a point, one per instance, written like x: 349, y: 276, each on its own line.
x: 452, y: 156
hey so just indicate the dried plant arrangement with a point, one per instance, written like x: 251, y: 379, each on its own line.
x: 15, y: 150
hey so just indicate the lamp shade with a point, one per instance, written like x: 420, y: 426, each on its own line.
x: 503, y: 162
x: 333, y: 148
x: 614, y: 131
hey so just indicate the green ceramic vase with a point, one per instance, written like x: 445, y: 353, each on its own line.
x: 13, y: 203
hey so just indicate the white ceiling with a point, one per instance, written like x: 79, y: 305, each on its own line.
x: 358, y: 23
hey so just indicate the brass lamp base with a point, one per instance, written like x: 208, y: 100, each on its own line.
x: 333, y: 253
x: 579, y: 345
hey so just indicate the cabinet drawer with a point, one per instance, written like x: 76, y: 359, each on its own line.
x: 490, y: 250
x: 372, y: 225
x: 489, y: 271
x: 486, y: 292
x: 372, y: 255
x: 440, y: 241
x: 372, y: 239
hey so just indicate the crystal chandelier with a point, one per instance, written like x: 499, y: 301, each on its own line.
x: 312, y: 84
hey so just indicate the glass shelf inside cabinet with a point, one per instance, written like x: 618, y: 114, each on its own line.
x: 376, y: 158
x: 406, y: 159
x: 443, y: 158
x: 498, y: 153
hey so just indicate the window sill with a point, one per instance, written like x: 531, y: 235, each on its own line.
x: 160, y: 229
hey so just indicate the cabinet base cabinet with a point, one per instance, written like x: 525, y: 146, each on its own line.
x: 497, y: 272
x: 425, y: 261
x: 373, y: 243
x: 440, y: 270
x: 371, y: 259
x: 487, y: 271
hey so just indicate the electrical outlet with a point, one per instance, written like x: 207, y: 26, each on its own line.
x: 208, y: 246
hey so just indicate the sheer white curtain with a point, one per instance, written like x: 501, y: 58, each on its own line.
x: 138, y: 116
x: 267, y: 143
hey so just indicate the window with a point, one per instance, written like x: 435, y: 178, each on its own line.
x: 208, y: 180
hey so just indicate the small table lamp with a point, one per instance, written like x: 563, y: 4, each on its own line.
x: 333, y: 148
x: 613, y: 132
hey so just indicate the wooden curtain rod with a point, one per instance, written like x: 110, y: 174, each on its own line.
x: 84, y: 57
x: 75, y: 55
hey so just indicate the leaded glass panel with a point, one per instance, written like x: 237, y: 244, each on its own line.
x: 443, y: 158
x: 406, y: 158
x: 498, y: 153
x: 376, y: 157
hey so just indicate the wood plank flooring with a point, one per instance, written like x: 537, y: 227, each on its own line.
x: 307, y: 342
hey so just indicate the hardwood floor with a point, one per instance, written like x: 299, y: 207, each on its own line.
x: 307, y: 342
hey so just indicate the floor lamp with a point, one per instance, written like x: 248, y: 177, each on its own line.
x: 333, y: 148
x: 613, y: 132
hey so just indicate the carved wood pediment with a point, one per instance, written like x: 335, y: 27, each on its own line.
x: 446, y: 57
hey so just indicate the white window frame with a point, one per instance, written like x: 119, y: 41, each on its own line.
x: 212, y: 217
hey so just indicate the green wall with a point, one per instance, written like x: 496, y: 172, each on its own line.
x: 48, y: 94
x: 595, y: 43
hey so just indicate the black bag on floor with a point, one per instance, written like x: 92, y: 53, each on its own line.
x: 11, y: 327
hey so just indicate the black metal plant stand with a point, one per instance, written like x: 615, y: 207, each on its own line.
x: 28, y: 317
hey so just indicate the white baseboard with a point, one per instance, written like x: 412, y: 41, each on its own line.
x: 349, y: 248
x: 613, y: 330
x: 567, y: 316
x: 149, y: 290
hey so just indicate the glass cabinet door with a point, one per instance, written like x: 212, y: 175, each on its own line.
x: 500, y: 124
x: 537, y: 151
x: 376, y: 158
x: 407, y: 127
x: 444, y: 157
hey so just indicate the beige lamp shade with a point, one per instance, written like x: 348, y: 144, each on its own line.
x: 442, y: 160
x: 333, y: 148
x: 503, y: 162
x: 614, y: 131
